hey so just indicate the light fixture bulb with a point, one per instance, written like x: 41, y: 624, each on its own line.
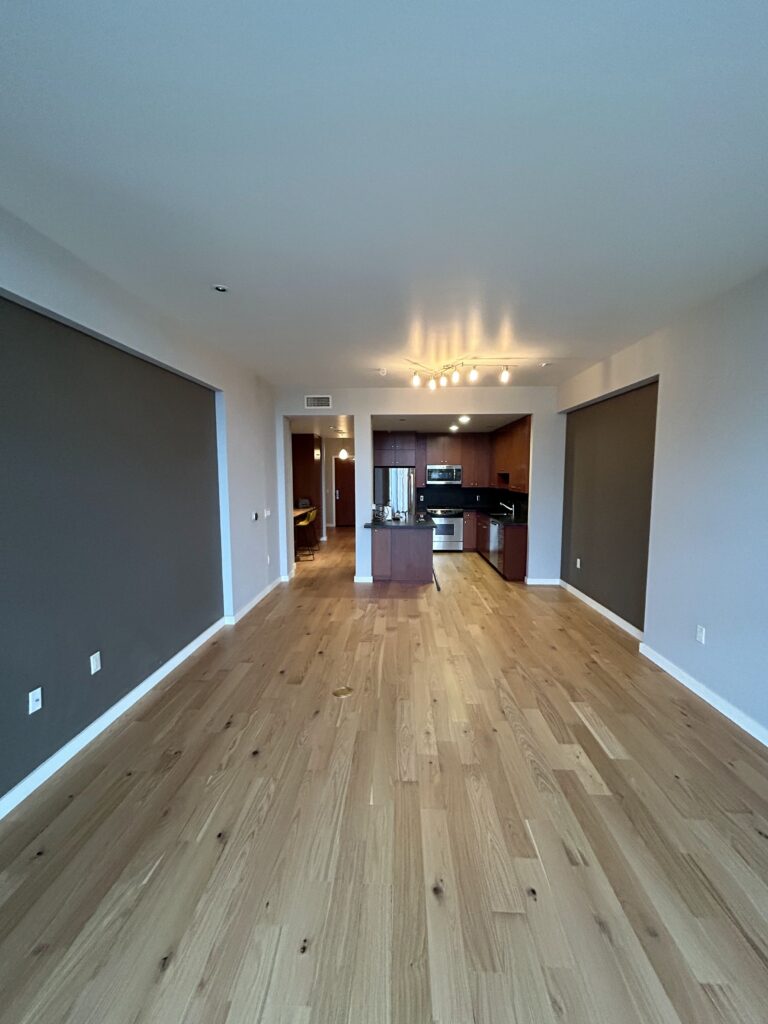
x: 464, y: 419
x: 416, y: 379
x: 473, y: 375
x: 455, y: 376
x: 432, y: 384
x: 453, y: 427
x: 343, y: 453
x: 504, y: 375
x: 443, y: 381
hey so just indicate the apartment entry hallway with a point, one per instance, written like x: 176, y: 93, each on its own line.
x: 512, y: 817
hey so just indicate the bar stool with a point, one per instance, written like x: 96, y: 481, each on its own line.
x: 305, y: 531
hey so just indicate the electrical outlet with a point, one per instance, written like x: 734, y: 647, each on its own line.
x: 578, y: 563
x: 267, y: 513
x: 95, y: 663
x: 35, y: 700
x: 701, y: 635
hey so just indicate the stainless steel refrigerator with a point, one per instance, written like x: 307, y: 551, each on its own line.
x: 395, y: 488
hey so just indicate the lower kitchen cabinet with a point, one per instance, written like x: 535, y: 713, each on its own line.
x: 510, y: 557
x: 483, y: 541
x: 515, y: 552
x: 470, y: 531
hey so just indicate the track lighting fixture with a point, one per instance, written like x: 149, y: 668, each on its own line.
x: 504, y: 375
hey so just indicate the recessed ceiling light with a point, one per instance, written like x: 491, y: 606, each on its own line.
x: 453, y: 426
x: 220, y: 288
x: 464, y: 419
x: 382, y: 371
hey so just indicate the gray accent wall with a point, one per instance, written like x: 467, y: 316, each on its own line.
x: 109, y: 526
x: 609, y: 452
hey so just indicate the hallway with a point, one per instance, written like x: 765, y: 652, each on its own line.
x: 513, y: 817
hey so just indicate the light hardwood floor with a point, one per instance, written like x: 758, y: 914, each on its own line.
x: 513, y: 818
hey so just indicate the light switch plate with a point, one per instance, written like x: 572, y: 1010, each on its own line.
x: 35, y: 698
x: 95, y: 663
x: 701, y: 635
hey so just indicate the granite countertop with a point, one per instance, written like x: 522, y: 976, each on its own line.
x: 505, y: 518
x: 406, y: 523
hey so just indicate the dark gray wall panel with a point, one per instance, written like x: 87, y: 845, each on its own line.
x: 109, y: 522
x: 607, y: 506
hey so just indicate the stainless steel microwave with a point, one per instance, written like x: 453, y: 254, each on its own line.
x: 444, y: 475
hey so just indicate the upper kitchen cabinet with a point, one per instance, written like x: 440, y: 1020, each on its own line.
x: 444, y: 450
x: 511, y: 456
x: 421, y: 460
x: 475, y: 460
x: 394, y: 448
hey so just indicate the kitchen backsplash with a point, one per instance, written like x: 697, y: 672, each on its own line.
x: 487, y: 499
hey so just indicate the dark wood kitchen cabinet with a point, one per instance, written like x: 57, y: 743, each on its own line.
x: 470, y: 531
x: 475, y: 460
x: 515, y: 552
x: 443, y: 450
x: 483, y: 534
x: 511, y: 456
x: 421, y: 460
x: 393, y: 448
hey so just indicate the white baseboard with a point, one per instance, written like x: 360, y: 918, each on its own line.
x: 532, y: 582
x: 56, y: 761
x: 231, y: 620
x: 744, y: 721
x: 611, y: 616
x: 363, y: 579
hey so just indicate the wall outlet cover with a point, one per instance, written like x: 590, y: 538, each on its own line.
x: 95, y: 663
x: 701, y: 635
x: 35, y: 700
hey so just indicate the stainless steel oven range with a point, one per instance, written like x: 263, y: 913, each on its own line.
x: 449, y: 529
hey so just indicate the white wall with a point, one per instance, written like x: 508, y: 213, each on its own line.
x: 40, y: 273
x: 547, y: 455
x: 708, y: 559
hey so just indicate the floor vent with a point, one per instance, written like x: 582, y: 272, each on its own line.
x: 317, y: 402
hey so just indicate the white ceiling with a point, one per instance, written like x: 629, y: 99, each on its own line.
x: 323, y: 426
x: 381, y: 181
x: 439, y: 424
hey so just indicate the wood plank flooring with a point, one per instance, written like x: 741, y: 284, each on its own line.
x: 513, y: 818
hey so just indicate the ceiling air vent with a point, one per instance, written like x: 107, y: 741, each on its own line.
x: 317, y: 402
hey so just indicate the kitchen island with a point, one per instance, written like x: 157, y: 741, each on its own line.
x: 401, y: 549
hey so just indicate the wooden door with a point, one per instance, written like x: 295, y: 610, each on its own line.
x: 344, y: 477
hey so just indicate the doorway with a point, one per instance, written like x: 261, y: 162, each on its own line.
x: 344, y: 491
